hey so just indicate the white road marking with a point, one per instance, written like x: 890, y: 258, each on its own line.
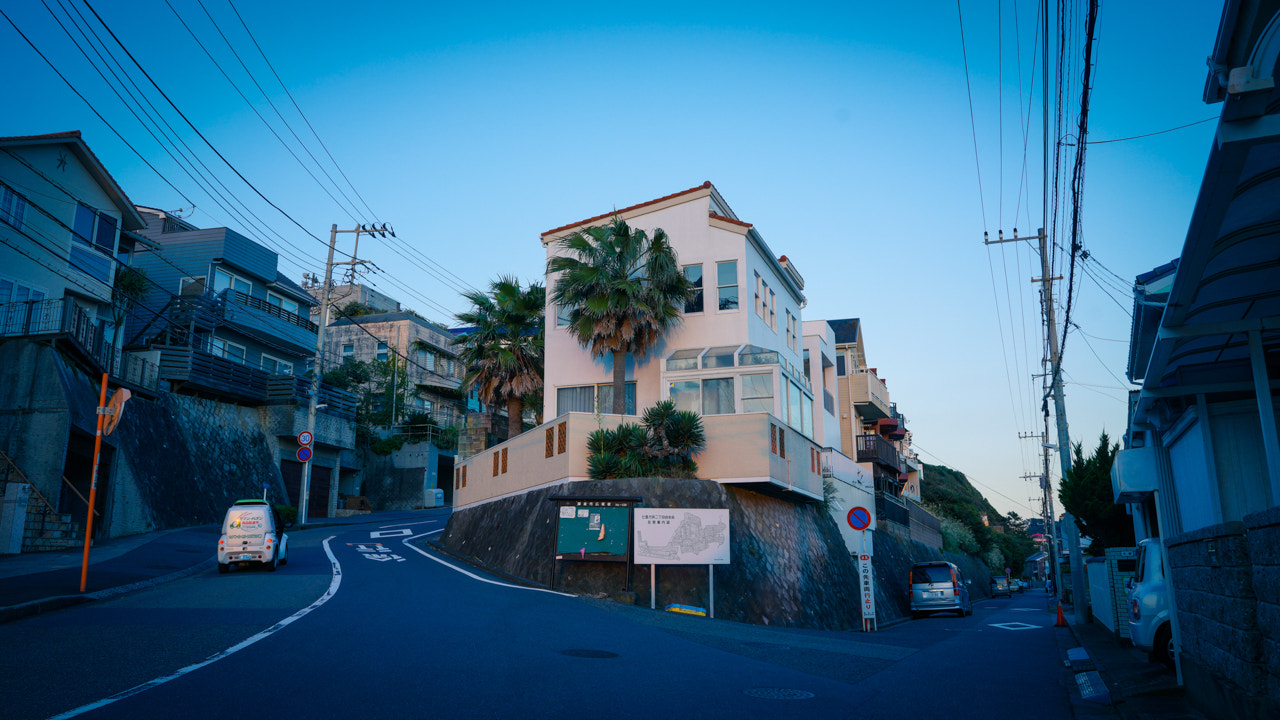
x: 455, y: 568
x: 1014, y: 626
x: 420, y: 522
x: 333, y: 590
x: 391, y: 533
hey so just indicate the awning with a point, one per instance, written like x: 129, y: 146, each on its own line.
x: 1037, y: 557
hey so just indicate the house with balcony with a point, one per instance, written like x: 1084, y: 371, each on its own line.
x: 873, y: 431
x: 67, y: 235
x: 432, y: 368
x: 1200, y: 466
x: 738, y: 359
x: 223, y: 323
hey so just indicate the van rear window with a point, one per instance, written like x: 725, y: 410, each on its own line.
x: 930, y: 574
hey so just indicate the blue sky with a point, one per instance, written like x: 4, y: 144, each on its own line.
x: 842, y: 133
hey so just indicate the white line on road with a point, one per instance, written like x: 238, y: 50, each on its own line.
x: 421, y: 522
x: 333, y: 589
x: 469, y: 574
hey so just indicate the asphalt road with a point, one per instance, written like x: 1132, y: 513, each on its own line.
x: 384, y: 631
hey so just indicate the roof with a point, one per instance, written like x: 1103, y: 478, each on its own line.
x: 704, y: 186
x: 846, y: 330
x: 130, y: 219
x: 398, y: 316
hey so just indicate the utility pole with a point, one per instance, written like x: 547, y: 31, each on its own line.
x: 317, y: 367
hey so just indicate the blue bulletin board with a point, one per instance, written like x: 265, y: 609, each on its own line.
x: 593, y: 529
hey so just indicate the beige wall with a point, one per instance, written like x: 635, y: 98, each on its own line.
x: 738, y: 452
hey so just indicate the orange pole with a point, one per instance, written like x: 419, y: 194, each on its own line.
x: 93, y: 484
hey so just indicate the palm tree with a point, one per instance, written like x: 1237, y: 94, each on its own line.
x: 624, y: 291
x: 503, y: 355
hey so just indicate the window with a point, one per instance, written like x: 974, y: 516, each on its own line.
x: 11, y: 291
x: 717, y: 396
x: 685, y: 395
x: 791, y: 338
x: 191, y: 286
x: 693, y: 273
x: 727, y: 285
x: 348, y: 350
x: 12, y: 206
x: 228, y: 350
x: 91, y: 251
x: 806, y: 365
x: 279, y: 367
x: 576, y: 399
x: 764, y: 300
x: 223, y: 280
x: 840, y: 365
x: 283, y: 303
x: 684, y: 359
x: 562, y: 315
x: 758, y: 304
x: 718, y: 357
x: 382, y: 351
x: 604, y: 396
x: 757, y: 393
x: 756, y: 355
x: 795, y: 405
x: 773, y: 310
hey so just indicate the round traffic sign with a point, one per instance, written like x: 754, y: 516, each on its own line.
x: 859, y: 518
x: 304, y: 454
x: 304, y: 437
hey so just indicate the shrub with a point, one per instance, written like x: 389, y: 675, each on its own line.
x: 663, y: 446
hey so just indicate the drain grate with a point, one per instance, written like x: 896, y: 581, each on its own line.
x: 588, y: 653
x: 778, y: 693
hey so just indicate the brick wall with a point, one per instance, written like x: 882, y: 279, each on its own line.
x: 1224, y: 662
x: 1263, y: 532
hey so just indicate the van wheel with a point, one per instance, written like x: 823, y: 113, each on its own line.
x: 285, y: 560
x: 275, y: 563
x: 224, y: 568
x: 1162, y: 647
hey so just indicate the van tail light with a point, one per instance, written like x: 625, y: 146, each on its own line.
x: 1135, y: 612
x: 955, y: 582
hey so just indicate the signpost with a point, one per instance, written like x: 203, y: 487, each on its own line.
x: 859, y: 518
x: 866, y: 582
x: 682, y: 536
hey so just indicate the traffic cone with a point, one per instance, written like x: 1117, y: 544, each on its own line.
x: 1062, y: 619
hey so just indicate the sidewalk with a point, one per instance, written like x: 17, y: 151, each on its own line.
x: 34, y: 583
x: 1126, y: 685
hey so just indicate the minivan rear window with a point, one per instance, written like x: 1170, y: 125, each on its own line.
x: 922, y: 574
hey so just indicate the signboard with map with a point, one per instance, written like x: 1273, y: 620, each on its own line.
x: 681, y: 536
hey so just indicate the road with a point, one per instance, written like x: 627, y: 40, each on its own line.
x: 365, y: 622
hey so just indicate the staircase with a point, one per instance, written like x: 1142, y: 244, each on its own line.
x: 46, y: 530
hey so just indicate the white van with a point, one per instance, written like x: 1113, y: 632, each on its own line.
x: 1150, y: 624
x: 252, y: 533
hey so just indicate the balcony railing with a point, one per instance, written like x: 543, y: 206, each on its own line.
x: 875, y: 449
x: 274, y: 311
x: 291, y: 389
x: 891, y: 509
x: 197, y: 369
x: 869, y: 395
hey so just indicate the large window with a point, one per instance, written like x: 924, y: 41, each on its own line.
x: 711, y: 396
x: 223, y: 280
x: 593, y: 398
x: 283, y: 303
x: 13, y: 207
x: 684, y: 359
x: 718, y: 357
x: 12, y: 291
x: 694, y: 274
x: 604, y: 396
x: 273, y: 365
x: 686, y: 395
x: 757, y: 393
x: 228, y: 350
x: 727, y: 285
x: 93, y: 243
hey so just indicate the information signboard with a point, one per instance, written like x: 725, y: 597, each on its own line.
x: 868, y: 588
x: 682, y: 536
x: 590, y: 529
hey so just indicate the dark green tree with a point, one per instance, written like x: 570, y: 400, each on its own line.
x: 504, y: 353
x: 624, y: 291
x: 1086, y: 493
x: 663, y: 445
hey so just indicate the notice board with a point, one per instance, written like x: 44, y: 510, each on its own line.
x: 597, y: 530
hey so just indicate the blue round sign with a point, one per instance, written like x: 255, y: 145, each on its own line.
x: 304, y: 454
x: 859, y: 518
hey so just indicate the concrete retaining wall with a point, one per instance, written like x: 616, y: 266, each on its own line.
x: 1229, y: 661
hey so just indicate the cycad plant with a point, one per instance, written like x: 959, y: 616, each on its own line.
x: 663, y: 446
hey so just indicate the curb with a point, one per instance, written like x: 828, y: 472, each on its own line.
x: 59, y: 602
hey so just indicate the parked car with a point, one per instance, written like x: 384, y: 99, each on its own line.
x: 938, y: 586
x: 1150, y: 625
x: 1020, y: 585
x: 1000, y: 586
x: 252, y: 534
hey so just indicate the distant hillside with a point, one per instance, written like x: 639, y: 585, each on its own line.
x: 950, y: 489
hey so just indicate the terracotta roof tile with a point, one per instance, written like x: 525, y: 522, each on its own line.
x: 731, y: 220
x: 703, y: 186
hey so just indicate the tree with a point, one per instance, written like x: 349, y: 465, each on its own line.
x: 662, y: 445
x: 504, y: 354
x: 624, y: 291
x: 1086, y: 494
x: 129, y: 287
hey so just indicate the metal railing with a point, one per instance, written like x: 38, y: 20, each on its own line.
x: 272, y: 310
x: 873, y: 448
x: 285, y: 389
x: 891, y: 509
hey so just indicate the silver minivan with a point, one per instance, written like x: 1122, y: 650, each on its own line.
x: 252, y: 534
x: 938, y: 586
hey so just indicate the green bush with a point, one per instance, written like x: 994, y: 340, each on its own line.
x: 288, y: 513
x: 663, y: 446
